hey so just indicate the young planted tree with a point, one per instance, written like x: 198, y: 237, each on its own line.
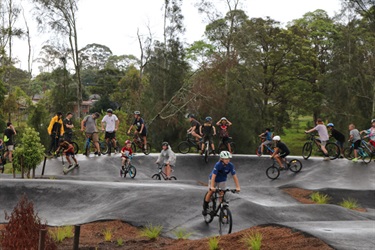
x: 30, y: 152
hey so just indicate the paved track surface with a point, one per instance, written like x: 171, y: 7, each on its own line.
x: 95, y: 192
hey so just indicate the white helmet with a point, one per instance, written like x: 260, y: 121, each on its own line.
x: 225, y: 155
x: 276, y: 138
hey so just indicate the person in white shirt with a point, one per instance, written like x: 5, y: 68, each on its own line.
x: 111, y: 126
x: 323, y: 136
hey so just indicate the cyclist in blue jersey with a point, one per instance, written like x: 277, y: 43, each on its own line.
x: 218, y: 178
x: 267, y: 135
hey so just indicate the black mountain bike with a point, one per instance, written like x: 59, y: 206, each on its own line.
x: 128, y: 169
x: 274, y: 171
x: 185, y: 146
x: 219, y: 206
x: 332, y: 148
x: 90, y: 147
x: 161, y: 174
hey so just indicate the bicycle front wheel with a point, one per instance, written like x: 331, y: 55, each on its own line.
x: 183, y: 147
x: 333, y: 150
x: 132, y: 171
x: 208, y: 218
x: 156, y: 177
x: 349, y: 153
x: 103, y: 147
x: 225, y: 221
x: 366, y: 155
x: 273, y: 172
x: 295, y: 166
x: 206, y: 153
x: 307, y: 150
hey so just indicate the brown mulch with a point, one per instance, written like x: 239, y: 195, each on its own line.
x: 92, y: 237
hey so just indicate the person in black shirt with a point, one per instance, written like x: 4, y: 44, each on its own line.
x: 207, y: 131
x: 280, y: 151
x: 68, y: 127
x: 194, y: 128
x: 8, y: 139
x: 340, y: 138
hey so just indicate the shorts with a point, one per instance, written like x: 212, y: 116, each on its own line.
x: 110, y: 135
x: 144, y: 133
x: 68, y: 136
x: 209, y: 138
x: 323, y: 143
x: 9, y: 147
x: 69, y: 153
x: 266, y: 143
x: 357, y: 144
x: 221, y: 185
x: 283, y: 155
x: 340, y: 144
x: 225, y: 140
x: 93, y: 136
x: 372, y: 143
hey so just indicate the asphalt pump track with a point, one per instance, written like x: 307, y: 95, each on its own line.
x: 95, y: 191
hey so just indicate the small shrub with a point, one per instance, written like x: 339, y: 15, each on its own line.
x: 61, y: 233
x: 320, y: 198
x: 213, y: 243
x: 349, y: 203
x: 120, y: 242
x: 107, y: 235
x: 151, y: 232
x: 182, y: 234
x: 22, y: 230
x: 253, y: 241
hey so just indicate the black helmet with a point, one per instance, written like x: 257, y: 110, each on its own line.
x: 109, y: 111
x: 191, y: 116
x: 165, y: 144
x: 96, y: 114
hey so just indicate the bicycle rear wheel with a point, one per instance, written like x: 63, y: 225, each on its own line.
x: 307, y: 150
x: 272, y: 172
x: 206, y: 153
x: 147, y: 151
x: 156, y: 177
x: 349, y: 153
x: 103, y: 147
x: 333, y: 150
x: 173, y: 178
x: 132, y: 171
x: 225, y: 221
x: 208, y: 218
x: 295, y: 166
x: 183, y: 147
x: 76, y: 148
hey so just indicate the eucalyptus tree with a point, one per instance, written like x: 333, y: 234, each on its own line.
x: 61, y: 17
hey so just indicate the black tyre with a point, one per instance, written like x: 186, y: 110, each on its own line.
x: 211, y: 210
x: 233, y: 147
x: 272, y: 172
x: 366, y: 155
x: 225, y: 221
x: 134, y: 147
x: 88, y: 149
x: 148, y: 149
x: 132, y: 171
x: 306, y: 150
x: 173, y: 178
x: 333, y: 150
x: 206, y: 154
x: 349, y: 153
x: 295, y: 165
x: 183, y: 147
x: 76, y: 148
x: 122, y: 173
x: 156, y: 177
x: 103, y: 147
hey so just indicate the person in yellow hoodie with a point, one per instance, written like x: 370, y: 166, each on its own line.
x: 55, y: 130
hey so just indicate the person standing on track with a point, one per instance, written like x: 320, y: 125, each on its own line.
x: 88, y: 125
x: 224, y: 124
x: 167, y: 157
x: 68, y: 127
x: 55, y: 130
x: 111, y: 126
x: 340, y: 138
x: 355, y: 138
x: 323, y: 136
x: 9, y: 142
x: 208, y: 131
x: 218, y: 178
x: 141, y: 128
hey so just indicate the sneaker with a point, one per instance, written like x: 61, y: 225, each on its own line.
x: 326, y: 158
x: 76, y: 165
x: 109, y: 154
x: 96, y: 152
x: 355, y: 160
x: 99, y: 153
x: 70, y: 165
x: 341, y: 156
x: 204, y: 212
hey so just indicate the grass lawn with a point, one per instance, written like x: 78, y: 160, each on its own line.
x: 295, y: 136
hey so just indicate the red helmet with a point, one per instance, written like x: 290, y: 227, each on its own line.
x: 127, y: 142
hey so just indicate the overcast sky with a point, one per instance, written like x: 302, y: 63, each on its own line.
x: 114, y: 23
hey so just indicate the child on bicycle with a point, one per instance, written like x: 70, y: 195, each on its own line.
x: 207, y: 131
x: 323, y: 136
x: 167, y: 157
x: 267, y: 135
x: 194, y: 127
x: 340, y: 138
x: 218, y: 178
x: 370, y: 133
x: 224, y: 124
x: 68, y: 150
x: 126, y: 154
x: 355, y: 138
x: 281, y: 151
